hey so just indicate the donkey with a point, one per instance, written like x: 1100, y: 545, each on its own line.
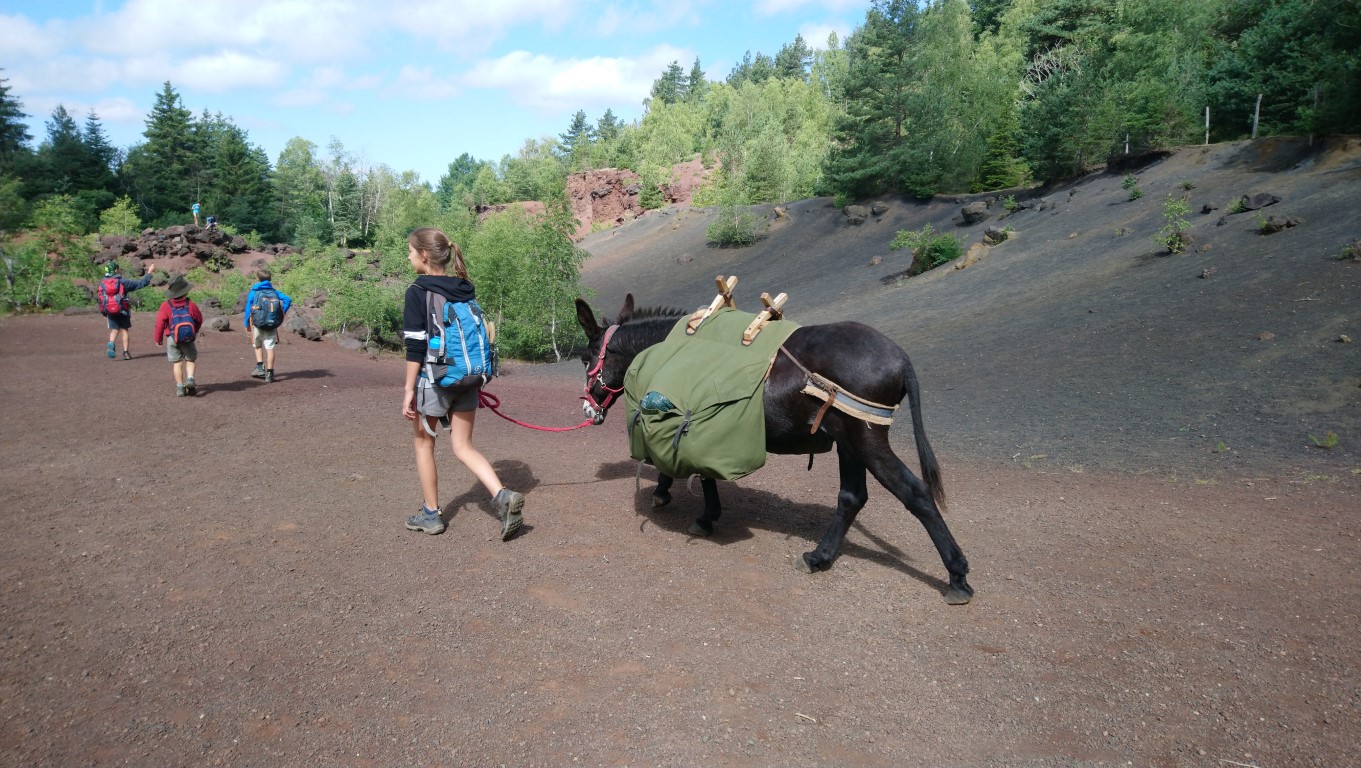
x: 861, y: 360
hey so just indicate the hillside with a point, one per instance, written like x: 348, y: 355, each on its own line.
x: 1079, y: 342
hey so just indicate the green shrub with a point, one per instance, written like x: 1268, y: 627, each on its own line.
x: 120, y: 219
x: 929, y: 250
x: 735, y: 226
x: 1009, y: 203
x: 1172, y: 236
x: 1237, y: 205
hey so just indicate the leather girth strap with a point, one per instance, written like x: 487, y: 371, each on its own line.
x: 833, y: 395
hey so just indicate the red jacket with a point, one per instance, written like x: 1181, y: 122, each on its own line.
x: 163, y: 316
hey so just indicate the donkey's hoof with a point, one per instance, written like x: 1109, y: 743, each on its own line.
x: 697, y: 529
x: 954, y: 596
x: 660, y: 499
x: 801, y: 563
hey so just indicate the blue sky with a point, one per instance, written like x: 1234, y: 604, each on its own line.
x: 407, y: 83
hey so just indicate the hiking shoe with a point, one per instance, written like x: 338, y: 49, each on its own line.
x: 508, y: 504
x: 427, y: 521
x: 258, y: 373
x: 127, y: 355
x: 112, y: 354
x: 179, y: 390
x: 269, y: 376
x: 190, y: 388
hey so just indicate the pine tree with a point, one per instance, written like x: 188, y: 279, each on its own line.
x: 698, y: 85
x: 671, y: 87
x: 14, y: 137
x: 576, y: 142
x: 793, y: 59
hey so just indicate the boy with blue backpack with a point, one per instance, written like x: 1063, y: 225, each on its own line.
x: 177, y: 324
x: 449, y: 356
x: 265, y: 310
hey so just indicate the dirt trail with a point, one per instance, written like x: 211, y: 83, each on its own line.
x: 225, y: 580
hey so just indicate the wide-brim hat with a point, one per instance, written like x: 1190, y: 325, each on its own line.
x: 179, y: 287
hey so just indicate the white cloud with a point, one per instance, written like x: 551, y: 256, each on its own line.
x: 288, y: 30
x: 635, y: 22
x: 22, y: 39
x: 422, y: 83
x: 463, y: 24
x: 227, y: 71
x: 554, y: 85
x: 774, y: 7
x: 815, y: 35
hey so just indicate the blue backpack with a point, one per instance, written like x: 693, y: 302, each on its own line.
x: 181, y: 324
x: 459, y: 349
x: 267, y: 309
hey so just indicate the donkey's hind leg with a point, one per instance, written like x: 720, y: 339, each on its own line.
x: 704, y: 524
x: 849, y: 501
x: 890, y: 470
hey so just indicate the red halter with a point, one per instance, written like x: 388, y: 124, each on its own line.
x: 597, y: 375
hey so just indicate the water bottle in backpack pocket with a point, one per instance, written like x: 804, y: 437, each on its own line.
x: 182, y: 329
x: 459, y: 349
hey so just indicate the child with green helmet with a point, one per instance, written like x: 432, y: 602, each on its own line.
x: 112, y: 295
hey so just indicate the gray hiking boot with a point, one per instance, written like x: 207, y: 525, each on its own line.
x: 269, y: 376
x: 259, y: 372
x: 427, y: 521
x: 508, y: 505
x: 179, y: 390
x: 190, y: 388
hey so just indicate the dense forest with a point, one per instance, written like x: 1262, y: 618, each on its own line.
x: 921, y: 98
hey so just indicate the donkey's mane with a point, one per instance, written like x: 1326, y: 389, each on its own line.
x: 648, y: 313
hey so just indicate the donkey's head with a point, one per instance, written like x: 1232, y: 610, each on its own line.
x: 604, y: 371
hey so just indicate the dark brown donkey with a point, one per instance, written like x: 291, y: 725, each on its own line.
x: 862, y: 361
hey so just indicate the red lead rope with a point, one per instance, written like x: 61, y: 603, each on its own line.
x: 488, y: 400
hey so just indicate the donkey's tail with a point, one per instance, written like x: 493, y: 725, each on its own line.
x: 930, y: 467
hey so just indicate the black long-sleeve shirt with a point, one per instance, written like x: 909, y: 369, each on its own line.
x: 414, y: 332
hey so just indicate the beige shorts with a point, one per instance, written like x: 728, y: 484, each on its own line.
x: 264, y: 338
x: 177, y: 352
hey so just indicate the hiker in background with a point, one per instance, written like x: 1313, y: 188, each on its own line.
x: 112, y: 295
x: 440, y: 269
x: 211, y: 222
x: 177, y: 323
x: 195, y: 209
x: 265, y: 310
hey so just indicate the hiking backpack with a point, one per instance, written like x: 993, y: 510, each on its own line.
x: 182, y: 329
x: 267, y: 310
x: 459, y: 348
x: 111, y: 296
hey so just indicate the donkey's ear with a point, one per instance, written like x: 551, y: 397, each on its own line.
x: 586, y: 317
x: 627, y: 311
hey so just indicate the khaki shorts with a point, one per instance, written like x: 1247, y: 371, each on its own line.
x: 263, y: 338
x: 441, y: 401
x: 177, y: 352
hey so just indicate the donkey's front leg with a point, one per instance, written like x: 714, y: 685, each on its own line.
x: 704, y: 524
x: 661, y: 495
x: 849, y: 501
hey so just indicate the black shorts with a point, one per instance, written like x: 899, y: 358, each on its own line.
x: 120, y: 322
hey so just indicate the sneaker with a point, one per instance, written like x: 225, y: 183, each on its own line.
x: 109, y: 349
x: 508, y: 504
x: 190, y: 388
x: 179, y: 390
x: 426, y: 520
x: 258, y: 373
x: 269, y: 376
x: 127, y: 355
